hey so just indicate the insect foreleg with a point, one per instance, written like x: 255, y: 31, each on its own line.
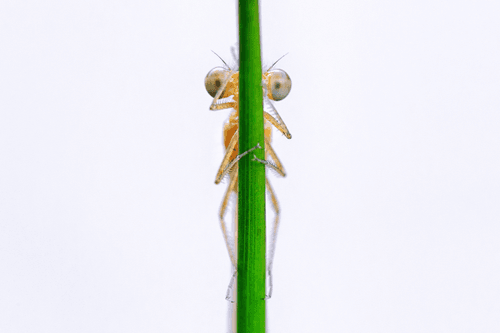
x: 215, y: 105
x: 277, y: 122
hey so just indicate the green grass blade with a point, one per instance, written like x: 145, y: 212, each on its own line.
x: 251, y: 287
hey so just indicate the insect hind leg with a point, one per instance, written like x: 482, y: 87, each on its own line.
x: 230, y: 189
x: 230, y: 290
x: 274, y: 237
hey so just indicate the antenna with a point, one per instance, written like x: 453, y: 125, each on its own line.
x: 223, y: 59
x: 276, y: 62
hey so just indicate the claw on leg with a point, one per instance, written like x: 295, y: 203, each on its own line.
x: 270, y: 293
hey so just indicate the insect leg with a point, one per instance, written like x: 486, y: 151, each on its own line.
x: 274, y: 237
x: 216, y: 105
x: 223, y: 169
x: 230, y: 189
x: 277, y: 122
x: 275, y: 158
x: 276, y: 166
x: 230, y: 287
x: 233, y: 162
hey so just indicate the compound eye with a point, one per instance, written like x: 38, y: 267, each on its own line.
x: 214, y: 80
x: 279, y: 84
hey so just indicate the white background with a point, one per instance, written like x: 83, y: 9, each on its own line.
x: 108, y: 153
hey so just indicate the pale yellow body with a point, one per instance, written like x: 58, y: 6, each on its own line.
x: 222, y: 84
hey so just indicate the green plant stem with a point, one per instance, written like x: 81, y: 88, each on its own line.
x: 251, y: 286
